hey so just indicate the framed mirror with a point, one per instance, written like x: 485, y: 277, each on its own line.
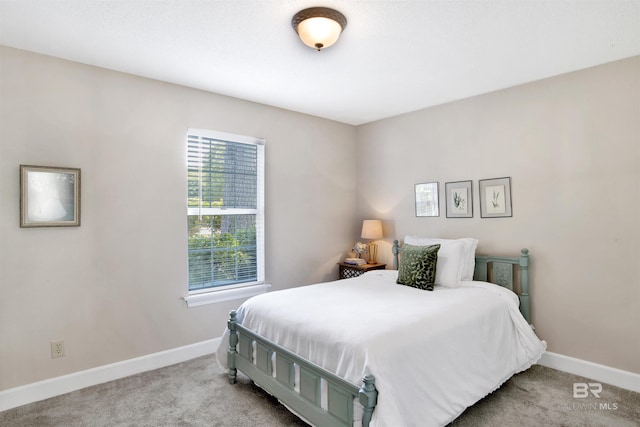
x: 49, y: 196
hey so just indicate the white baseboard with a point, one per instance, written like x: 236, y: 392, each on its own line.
x: 617, y: 377
x: 41, y: 390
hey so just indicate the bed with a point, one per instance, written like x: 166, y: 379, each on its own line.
x: 367, y: 351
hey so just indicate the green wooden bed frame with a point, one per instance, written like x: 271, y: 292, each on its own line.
x: 498, y: 270
x: 272, y: 367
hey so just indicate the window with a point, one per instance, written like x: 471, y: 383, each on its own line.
x: 225, y: 211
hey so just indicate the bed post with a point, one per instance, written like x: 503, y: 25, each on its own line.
x: 368, y: 396
x: 395, y: 250
x: 233, y: 342
x: 524, y: 285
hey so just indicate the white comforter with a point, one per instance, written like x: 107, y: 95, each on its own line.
x: 433, y: 354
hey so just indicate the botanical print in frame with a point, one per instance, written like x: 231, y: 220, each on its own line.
x: 49, y: 196
x: 495, y: 197
x: 459, y: 199
x: 427, y: 203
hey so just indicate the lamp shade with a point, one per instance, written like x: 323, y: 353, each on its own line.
x: 371, y: 229
x: 319, y: 27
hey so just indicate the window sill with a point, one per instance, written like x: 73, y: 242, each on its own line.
x: 225, y: 295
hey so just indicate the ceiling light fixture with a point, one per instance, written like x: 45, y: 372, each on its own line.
x: 319, y: 27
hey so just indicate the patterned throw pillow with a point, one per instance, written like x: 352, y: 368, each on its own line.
x: 418, y: 266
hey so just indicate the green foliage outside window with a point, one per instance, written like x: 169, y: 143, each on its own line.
x: 222, y: 250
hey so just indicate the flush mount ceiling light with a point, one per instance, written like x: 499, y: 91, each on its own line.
x: 319, y: 27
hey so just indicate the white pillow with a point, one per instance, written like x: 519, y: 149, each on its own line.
x: 468, y: 258
x: 449, y: 270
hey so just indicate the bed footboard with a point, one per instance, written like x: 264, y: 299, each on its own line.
x: 273, y: 368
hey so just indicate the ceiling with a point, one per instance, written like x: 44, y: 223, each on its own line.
x: 395, y: 56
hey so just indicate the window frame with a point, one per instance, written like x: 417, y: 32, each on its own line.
x: 247, y: 289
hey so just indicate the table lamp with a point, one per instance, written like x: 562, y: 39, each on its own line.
x: 372, y: 230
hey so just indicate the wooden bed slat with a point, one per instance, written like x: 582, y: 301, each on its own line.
x: 503, y: 274
x: 284, y: 371
x: 264, y: 359
x: 481, y: 272
x: 340, y: 404
x: 310, y: 385
x: 245, y: 345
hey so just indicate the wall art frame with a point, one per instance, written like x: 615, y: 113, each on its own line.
x: 49, y: 196
x: 495, y: 197
x: 459, y: 196
x: 427, y: 201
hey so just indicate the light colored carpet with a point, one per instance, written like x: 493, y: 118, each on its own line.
x: 196, y: 393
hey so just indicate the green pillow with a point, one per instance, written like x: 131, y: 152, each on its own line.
x: 418, y: 266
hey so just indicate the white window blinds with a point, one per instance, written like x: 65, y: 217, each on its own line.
x: 225, y: 209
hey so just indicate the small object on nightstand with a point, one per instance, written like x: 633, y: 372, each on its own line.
x: 348, y: 271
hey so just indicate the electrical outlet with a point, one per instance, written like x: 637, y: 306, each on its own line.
x: 57, y: 349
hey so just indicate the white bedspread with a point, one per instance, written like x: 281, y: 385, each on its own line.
x: 433, y: 354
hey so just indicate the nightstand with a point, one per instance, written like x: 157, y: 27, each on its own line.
x: 347, y: 271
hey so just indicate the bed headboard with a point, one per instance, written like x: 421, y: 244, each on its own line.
x: 501, y: 270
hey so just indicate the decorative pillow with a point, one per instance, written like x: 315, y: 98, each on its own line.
x: 468, y: 262
x: 456, y: 258
x: 418, y: 266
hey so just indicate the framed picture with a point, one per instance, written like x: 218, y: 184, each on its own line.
x: 427, y: 203
x: 49, y: 196
x: 495, y: 197
x: 459, y: 199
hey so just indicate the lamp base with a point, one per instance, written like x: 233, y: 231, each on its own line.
x: 373, y: 252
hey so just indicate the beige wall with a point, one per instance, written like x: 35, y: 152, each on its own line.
x: 571, y: 145
x: 112, y: 288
